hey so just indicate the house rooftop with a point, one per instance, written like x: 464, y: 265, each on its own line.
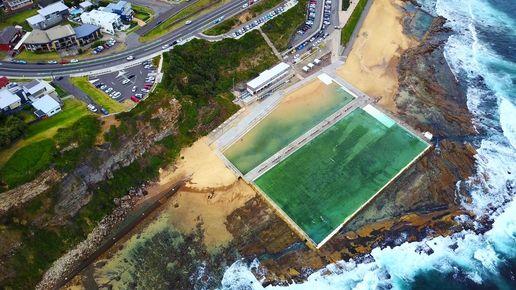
x: 7, y: 98
x: 85, y: 30
x: 52, y: 8
x: 60, y: 31
x: 7, y: 34
x: 37, y: 36
x: 33, y: 20
x: 45, y: 104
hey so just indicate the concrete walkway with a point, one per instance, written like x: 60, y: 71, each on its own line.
x: 305, y: 138
x: 271, y: 45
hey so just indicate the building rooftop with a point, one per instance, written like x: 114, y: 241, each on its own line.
x: 33, y: 20
x: 37, y: 36
x: 7, y: 34
x: 45, y: 104
x: 52, y: 8
x: 268, y: 75
x: 7, y: 98
x: 37, y: 85
x: 85, y: 30
x: 85, y: 4
x: 99, y: 14
x: 60, y: 31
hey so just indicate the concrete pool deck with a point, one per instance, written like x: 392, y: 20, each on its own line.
x: 294, y: 115
x: 238, y: 127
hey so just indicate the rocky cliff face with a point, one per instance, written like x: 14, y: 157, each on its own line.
x: 73, y: 190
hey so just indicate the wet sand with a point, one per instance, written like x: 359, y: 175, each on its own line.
x: 372, y: 62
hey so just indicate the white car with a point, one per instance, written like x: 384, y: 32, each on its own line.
x: 125, y: 82
x: 92, y: 108
x: 188, y: 22
x: 74, y: 60
x: 245, y: 5
x: 134, y: 89
x: 165, y: 46
x: 130, y: 57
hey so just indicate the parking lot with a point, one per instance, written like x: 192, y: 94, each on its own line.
x: 328, y: 10
x: 132, y: 83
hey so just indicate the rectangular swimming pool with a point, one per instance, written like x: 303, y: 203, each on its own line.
x: 326, y: 181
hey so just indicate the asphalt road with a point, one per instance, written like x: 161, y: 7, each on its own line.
x: 52, y: 70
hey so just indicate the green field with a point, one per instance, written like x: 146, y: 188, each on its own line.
x: 299, y: 112
x: 327, y: 180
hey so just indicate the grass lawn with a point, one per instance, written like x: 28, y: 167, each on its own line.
x: 324, y: 182
x: 349, y: 27
x: 281, y: 29
x: 179, y: 19
x: 98, y: 96
x: 18, y: 19
x: 25, y: 163
x: 142, y: 12
x: 47, y: 128
x: 254, y: 11
x: 30, y: 56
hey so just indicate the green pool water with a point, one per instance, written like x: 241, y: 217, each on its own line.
x: 328, y: 179
x: 284, y: 124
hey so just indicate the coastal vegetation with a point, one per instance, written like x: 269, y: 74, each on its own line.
x: 254, y: 11
x: 197, y: 79
x: 349, y: 27
x: 281, y: 29
x: 72, y: 111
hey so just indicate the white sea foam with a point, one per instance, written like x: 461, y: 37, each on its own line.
x: 491, y: 100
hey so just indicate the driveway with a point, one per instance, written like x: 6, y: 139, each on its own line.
x: 65, y: 84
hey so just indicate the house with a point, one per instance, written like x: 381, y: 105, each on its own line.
x: 46, y: 106
x: 49, y: 16
x: 37, y: 89
x: 121, y: 8
x: 9, y: 36
x: 87, y: 33
x: 86, y: 5
x: 8, y: 100
x: 4, y: 81
x: 56, y: 38
x: 12, y: 6
x: 107, y: 21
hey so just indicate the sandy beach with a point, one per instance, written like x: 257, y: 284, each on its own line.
x: 371, y: 64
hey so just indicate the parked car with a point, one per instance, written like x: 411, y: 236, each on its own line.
x: 92, y: 108
x: 135, y: 99
x: 74, y: 60
x: 130, y: 57
x: 52, y: 61
x: 104, y: 111
x: 134, y: 89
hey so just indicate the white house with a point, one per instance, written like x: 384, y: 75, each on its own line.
x: 38, y: 88
x: 48, y: 16
x: 46, y: 106
x: 8, y: 100
x: 107, y: 21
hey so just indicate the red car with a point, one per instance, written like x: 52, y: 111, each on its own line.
x: 135, y: 99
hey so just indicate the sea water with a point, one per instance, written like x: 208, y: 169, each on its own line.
x: 482, y: 55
